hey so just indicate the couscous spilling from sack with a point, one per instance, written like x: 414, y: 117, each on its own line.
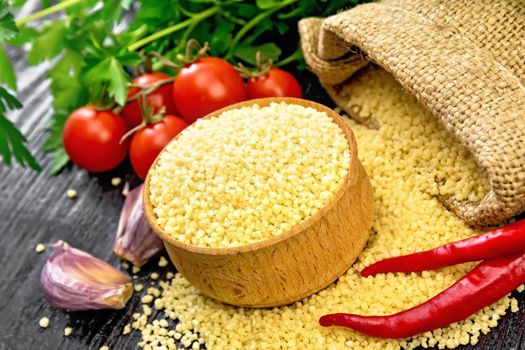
x: 248, y: 174
x: 412, y: 160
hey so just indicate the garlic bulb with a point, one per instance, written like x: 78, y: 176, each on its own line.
x: 75, y: 280
x: 135, y: 241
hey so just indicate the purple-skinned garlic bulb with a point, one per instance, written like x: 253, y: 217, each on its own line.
x: 75, y: 280
x: 135, y: 241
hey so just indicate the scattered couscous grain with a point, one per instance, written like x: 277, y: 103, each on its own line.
x: 43, y: 322
x: 138, y: 287
x: 147, y: 310
x: 170, y: 275
x: 116, y: 181
x: 125, y: 265
x: 154, y: 276
x: 154, y: 291
x: 68, y: 331
x: 104, y: 347
x: 163, y: 262
x: 159, y: 303
x: 411, y: 161
x: 71, y: 193
x: 40, y: 248
x: 127, y: 329
x: 248, y: 174
x: 146, y: 299
x: 514, y: 306
x: 135, y: 269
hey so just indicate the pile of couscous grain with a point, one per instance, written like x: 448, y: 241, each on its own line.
x: 249, y: 174
x: 403, y: 159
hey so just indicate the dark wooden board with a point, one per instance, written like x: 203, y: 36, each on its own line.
x: 34, y: 209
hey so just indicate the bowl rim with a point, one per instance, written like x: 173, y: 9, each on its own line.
x: 350, y: 180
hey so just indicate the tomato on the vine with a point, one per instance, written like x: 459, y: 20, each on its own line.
x: 206, y: 85
x: 275, y: 83
x: 92, y: 139
x: 163, y: 96
x: 147, y: 142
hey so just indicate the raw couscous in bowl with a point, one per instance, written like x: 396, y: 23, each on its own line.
x: 261, y: 203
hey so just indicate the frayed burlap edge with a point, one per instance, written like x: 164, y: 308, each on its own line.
x: 475, y: 97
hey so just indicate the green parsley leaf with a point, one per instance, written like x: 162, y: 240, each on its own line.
x: 221, y: 38
x: 59, y: 160
x: 67, y: 89
x: 12, y: 142
x: 8, y: 27
x: 110, y: 70
x: 55, y: 128
x: 126, y: 4
x: 247, y: 52
x: 130, y: 59
x: 25, y: 35
x: 8, y: 101
x: 18, y: 3
x: 59, y: 157
x: 266, y: 4
x: 48, y: 44
x: 247, y: 10
x: 7, y: 74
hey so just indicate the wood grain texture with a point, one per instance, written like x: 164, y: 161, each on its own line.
x: 291, y: 266
x: 34, y: 209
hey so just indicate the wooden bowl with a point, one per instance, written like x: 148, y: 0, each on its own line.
x: 289, y: 267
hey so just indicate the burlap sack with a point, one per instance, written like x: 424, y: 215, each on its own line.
x: 463, y: 60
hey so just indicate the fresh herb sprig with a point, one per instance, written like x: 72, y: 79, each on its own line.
x: 96, y: 45
x: 12, y: 142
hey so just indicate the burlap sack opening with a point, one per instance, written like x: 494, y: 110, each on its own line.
x: 463, y: 60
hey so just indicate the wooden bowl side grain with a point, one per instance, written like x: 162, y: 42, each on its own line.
x: 288, y: 267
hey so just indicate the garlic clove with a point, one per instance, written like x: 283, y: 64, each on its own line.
x: 135, y: 240
x: 75, y: 280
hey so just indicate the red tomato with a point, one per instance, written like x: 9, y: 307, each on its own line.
x: 206, y: 85
x: 147, y: 143
x: 91, y: 139
x: 158, y: 98
x: 277, y: 83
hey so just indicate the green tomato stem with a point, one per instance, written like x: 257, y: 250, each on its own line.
x: 46, y: 12
x: 256, y: 20
x: 161, y: 33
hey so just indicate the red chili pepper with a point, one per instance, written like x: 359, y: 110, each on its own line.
x: 502, y: 241
x: 488, y: 282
